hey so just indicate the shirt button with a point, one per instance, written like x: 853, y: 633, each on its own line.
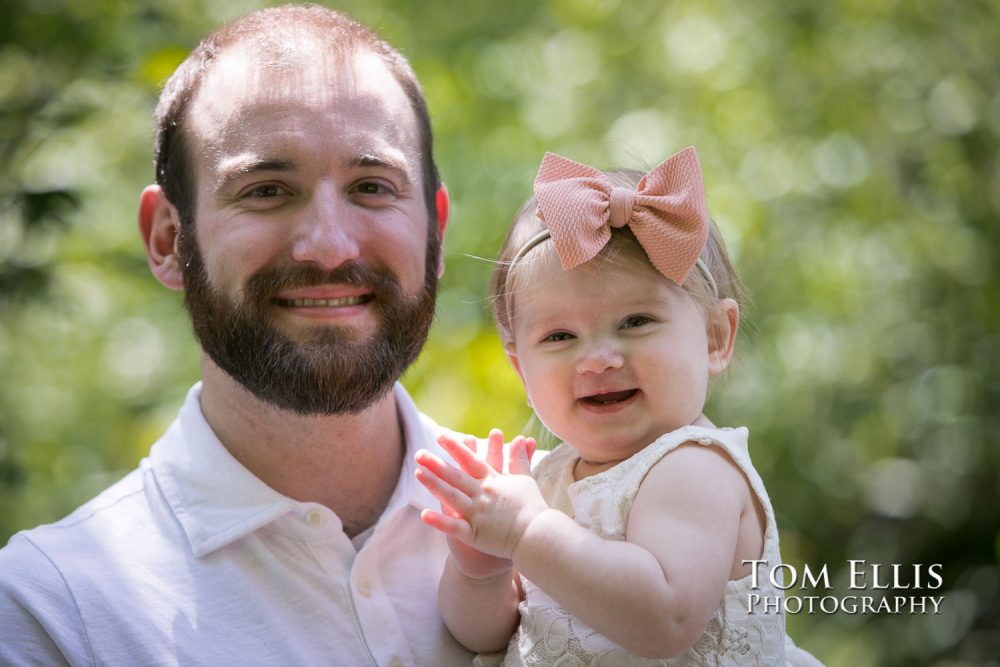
x: 365, y: 588
x: 396, y: 662
x: 315, y: 518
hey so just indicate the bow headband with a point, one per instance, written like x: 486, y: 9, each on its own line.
x: 667, y: 212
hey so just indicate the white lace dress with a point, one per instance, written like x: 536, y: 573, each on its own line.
x: 548, y: 635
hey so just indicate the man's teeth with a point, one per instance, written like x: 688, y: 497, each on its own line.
x: 327, y: 303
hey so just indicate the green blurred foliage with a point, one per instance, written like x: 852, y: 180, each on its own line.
x: 850, y: 156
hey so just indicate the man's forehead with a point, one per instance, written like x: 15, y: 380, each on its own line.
x: 244, y: 83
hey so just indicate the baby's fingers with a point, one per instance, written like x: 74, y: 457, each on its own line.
x: 447, y: 472
x: 464, y: 457
x: 521, y: 451
x: 494, y: 450
x: 445, y: 493
x: 455, y: 527
x: 469, y: 441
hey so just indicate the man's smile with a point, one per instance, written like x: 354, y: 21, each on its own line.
x: 324, y: 303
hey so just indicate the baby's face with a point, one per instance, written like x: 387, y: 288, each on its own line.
x: 612, y: 355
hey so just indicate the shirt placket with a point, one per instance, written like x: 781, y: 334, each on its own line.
x: 374, y: 609
x: 336, y: 555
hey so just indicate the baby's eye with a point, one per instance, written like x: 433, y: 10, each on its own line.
x: 633, y: 321
x: 557, y: 336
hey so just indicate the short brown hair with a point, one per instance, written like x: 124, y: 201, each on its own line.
x: 339, y: 32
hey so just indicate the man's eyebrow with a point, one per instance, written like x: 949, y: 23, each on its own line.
x: 390, y: 163
x: 242, y: 167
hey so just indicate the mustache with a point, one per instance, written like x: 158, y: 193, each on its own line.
x: 269, y: 281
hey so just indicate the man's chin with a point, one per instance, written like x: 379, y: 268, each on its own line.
x: 310, y: 332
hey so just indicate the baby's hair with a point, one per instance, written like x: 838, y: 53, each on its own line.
x: 508, y: 276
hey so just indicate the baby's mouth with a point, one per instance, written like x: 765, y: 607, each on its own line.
x: 610, y: 398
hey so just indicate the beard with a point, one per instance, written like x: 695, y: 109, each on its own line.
x: 330, y: 370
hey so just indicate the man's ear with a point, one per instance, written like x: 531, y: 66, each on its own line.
x: 722, y: 325
x: 160, y: 226
x: 443, y: 205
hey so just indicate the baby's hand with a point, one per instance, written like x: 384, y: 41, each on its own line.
x: 470, y: 561
x: 483, y: 508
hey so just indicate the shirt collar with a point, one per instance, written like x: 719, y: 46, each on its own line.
x: 218, y: 501
x: 419, y: 432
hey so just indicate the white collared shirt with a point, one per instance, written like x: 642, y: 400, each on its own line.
x: 192, y: 560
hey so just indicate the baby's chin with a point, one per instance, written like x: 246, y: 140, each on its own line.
x: 610, y: 449
x: 620, y: 446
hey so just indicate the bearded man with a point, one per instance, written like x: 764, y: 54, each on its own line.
x: 299, y: 209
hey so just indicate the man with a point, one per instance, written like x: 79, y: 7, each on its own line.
x: 277, y: 521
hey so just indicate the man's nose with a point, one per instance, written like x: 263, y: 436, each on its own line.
x: 326, y: 232
x: 598, y: 357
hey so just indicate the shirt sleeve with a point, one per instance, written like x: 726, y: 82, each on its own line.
x: 40, y: 623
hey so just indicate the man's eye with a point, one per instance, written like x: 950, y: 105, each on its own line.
x: 264, y: 191
x: 372, y: 188
x: 635, y: 321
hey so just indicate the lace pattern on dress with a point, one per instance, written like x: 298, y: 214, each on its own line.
x: 549, y: 635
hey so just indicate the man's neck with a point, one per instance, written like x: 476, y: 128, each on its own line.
x: 350, y: 463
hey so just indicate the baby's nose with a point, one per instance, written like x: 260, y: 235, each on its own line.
x: 599, y: 357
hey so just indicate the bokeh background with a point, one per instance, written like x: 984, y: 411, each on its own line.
x: 850, y: 158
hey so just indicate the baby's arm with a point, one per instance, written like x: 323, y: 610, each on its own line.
x: 652, y: 595
x: 478, y: 593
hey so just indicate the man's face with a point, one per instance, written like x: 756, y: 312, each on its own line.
x: 307, y: 276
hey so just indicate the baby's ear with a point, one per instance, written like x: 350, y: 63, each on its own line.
x: 511, y: 351
x: 721, y: 326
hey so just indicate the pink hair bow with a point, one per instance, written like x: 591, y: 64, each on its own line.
x: 667, y: 211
